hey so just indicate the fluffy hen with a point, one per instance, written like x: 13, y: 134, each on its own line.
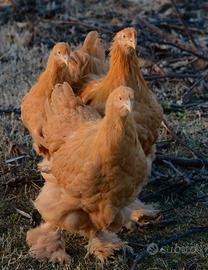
x: 32, y: 106
x: 124, y: 69
x: 96, y: 171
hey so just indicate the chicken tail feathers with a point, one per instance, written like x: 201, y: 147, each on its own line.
x: 93, y: 46
x: 62, y: 100
x: 60, y: 111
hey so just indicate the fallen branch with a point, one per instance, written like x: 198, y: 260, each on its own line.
x: 171, y: 40
x: 178, y: 187
x: 174, y: 24
x: 182, y: 108
x: 180, y: 27
x: 78, y: 22
x: 185, y: 162
x: 154, y: 248
x: 169, y: 76
x: 10, y: 110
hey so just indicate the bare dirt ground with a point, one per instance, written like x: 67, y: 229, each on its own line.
x: 28, y: 31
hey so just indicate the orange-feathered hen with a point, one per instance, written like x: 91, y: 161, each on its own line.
x: 124, y: 69
x: 32, y: 107
x: 96, y: 172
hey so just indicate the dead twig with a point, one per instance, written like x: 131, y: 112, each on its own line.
x: 177, y: 187
x: 175, y: 24
x: 181, y: 161
x: 23, y: 213
x: 181, y: 27
x: 153, y: 248
x: 10, y: 110
x: 178, y: 173
x: 169, y: 76
x: 182, y: 108
x: 170, y: 164
x: 11, y: 160
x: 78, y: 22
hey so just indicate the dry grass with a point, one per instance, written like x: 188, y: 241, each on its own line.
x: 22, y: 57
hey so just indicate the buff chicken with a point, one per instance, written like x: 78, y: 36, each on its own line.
x: 124, y: 69
x: 96, y: 171
x: 32, y: 106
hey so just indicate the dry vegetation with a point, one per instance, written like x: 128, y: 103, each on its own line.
x: 27, y: 32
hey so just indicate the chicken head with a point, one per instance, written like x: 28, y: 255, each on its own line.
x: 127, y: 39
x: 61, y: 53
x: 121, y: 100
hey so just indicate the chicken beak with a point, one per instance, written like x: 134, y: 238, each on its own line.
x: 132, y: 43
x: 128, y: 105
x: 65, y: 58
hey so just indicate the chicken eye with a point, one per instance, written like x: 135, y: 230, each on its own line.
x: 120, y: 98
x: 59, y: 52
x: 124, y: 35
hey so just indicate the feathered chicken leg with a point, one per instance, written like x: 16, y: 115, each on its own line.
x: 46, y: 242
x: 139, y: 210
x: 102, y: 244
x: 106, y: 242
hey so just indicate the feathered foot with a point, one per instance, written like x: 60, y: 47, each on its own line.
x: 104, y: 245
x: 139, y: 210
x: 47, y: 243
x: 149, y: 211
